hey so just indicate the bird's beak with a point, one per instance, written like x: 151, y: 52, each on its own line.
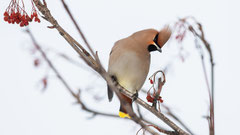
x: 158, y: 48
x: 156, y: 45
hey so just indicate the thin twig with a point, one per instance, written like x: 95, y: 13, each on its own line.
x: 208, y: 47
x: 159, y: 129
x: 170, y: 113
x: 76, y: 46
x: 150, y: 123
x: 201, y: 37
x: 59, y: 76
x: 77, y: 27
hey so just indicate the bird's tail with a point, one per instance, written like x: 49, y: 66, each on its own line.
x: 122, y: 111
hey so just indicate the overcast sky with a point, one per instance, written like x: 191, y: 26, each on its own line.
x: 26, y: 110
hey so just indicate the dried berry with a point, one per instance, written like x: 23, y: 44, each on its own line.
x: 151, y: 81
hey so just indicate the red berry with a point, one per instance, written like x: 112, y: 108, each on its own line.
x: 151, y: 81
x: 36, y: 62
x: 34, y: 14
x: 23, y: 18
x: 21, y: 24
x: 11, y: 16
x: 161, y: 100
x: 177, y: 37
x: 18, y: 21
x: 37, y: 19
x: 26, y: 23
x: 6, y: 18
x: 5, y: 13
x: 149, y: 98
x: 29, y: 19
x: 19, y: 16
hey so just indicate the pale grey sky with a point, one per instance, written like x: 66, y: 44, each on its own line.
x: 26, y: 110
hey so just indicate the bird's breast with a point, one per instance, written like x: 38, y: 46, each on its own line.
x: 130, y: 69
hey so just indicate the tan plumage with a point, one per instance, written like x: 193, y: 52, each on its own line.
x: 130, y: 60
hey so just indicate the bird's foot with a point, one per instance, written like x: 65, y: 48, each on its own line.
x: 114, y: 78
x: 134, y: 96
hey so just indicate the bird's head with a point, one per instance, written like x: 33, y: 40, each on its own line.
x: 152, y: 39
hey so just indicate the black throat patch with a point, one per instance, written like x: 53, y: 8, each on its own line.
x: 152, y: 48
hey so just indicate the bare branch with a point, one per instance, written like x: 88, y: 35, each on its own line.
x: 77, y: 47
x: 59, y: 76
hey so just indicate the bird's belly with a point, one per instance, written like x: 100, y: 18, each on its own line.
x: 131, y: 71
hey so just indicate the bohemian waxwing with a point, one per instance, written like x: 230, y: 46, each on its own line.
x: 130, y: 60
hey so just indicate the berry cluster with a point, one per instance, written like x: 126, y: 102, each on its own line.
x: 17, y: 14
x: 156, y: 92
x: 34, y: 15
x: 150, y: 98
x: 181, y: 30
x: 16, y: 17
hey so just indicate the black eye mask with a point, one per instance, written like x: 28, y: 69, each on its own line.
x: 155, y: 40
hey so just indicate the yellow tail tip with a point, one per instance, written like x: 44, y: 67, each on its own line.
x: 123, y: 115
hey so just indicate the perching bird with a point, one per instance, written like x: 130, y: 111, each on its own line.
x: 130, y: 60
